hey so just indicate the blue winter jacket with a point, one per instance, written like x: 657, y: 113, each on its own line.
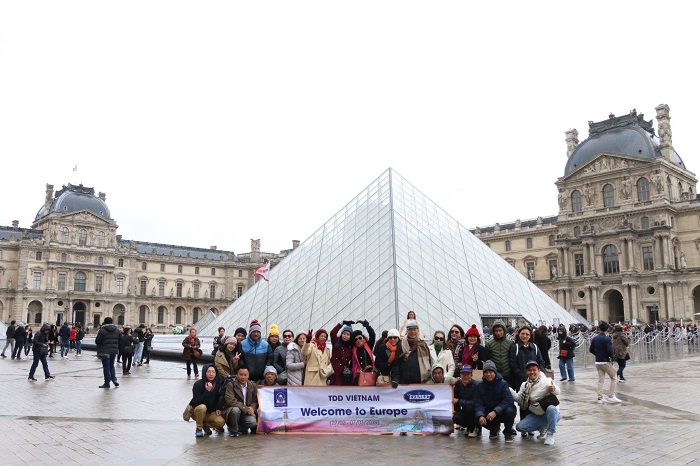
x: 492, y: 396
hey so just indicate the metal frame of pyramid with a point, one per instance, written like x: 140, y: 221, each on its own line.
x: 389, y: 250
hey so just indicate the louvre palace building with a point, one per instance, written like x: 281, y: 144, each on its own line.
x: 71, y: 265
x: 625, y: 244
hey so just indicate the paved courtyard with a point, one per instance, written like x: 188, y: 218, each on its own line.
x: 70, y: 420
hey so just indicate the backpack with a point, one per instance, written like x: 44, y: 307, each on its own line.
x: 517, y: 348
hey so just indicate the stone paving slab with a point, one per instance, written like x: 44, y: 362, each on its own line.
x: 70, y: 420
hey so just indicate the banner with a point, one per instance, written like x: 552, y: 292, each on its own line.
x: 424, y: 409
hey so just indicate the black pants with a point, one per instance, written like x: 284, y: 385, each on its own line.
x: 17, y: 353
x: 193, y: 362
x: 507, y: 417
x: 464, y: 417
x: 126, y: 363
x: 146, y: 355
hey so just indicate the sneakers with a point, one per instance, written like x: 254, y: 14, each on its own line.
x: 613, y: 399
x: 199, y: 433
x: 207, y: 431
x: 621, y: 380
x: 472, y: 433
x: 509, y: 438
x: 235, y: 434
x: 601, y: 401
x: 550, y: 439
x: 116, y: 384
x: 494, y: 433
x: 50, y: 377
x: 563, y: 380
x: 3, y: 355
x: 543, y: 433
x: 31, y: 379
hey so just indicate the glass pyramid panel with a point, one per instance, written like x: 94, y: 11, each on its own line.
x: 388, y: 251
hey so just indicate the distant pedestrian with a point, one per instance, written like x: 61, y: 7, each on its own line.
x: 28, y: 340
x: 53, y: 339
x: 602, y: 348
x: 40, y: 348
x: 127, y: 342
x: 147, y: 346
x: 107, y: 343
x: 621, y: 349
x: 191, y: 352
x: 10, y: 335
x: 140, y: 335
x: 20, y: 337
x: 567, y: 345
x: 64, y: 333
x: 73, y: 336
x: 79, y: 335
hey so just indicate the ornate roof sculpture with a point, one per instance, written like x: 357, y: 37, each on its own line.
x: 388, y: 251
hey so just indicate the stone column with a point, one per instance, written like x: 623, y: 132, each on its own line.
x: 632, y: 252
x: 567, y: 298
x: 591, y: 258
x: 669, y: 300
x: 593, y: 292
x: 634, y: 292
x: 663, y: 309
x: 623, y: 255
x: 658, y: 253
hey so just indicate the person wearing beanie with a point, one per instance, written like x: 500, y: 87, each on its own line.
x: 567, y: 345
x: 204, y: 402
x: 341, y: 353
x: 227, y: 359
x: 602, y: 348
x: 318, y: 358
x: 40, y: 348
x: 493, y: 403
x: 620, y: 347
x: 474, y: 352
x: 257, y: 353
x: 414, y: 358
x: 107, y: 345
x: 536, y: 388
x: 273, y: 337
x: 240, y: 334
x: 440, y: 355
x: 499, y: 350
x: 362, y: 355
x: 464, y: 391
x: 385, y: 358
x: 270, y: 378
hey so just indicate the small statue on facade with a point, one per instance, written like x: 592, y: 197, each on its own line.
x: 531, y: 274
x: 684, y: 264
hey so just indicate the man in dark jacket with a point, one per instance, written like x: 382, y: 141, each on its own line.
x: 20, y: 338
x: 64, y: 333
x: 464, y: 401
x: 602, y: 348
x: 240, y: 403
x: 107, y: 343
x: 138, y: 350
x: 41, y: 342
x: 205, y: 398
x: 414, y: 358
x: 493, y: 403
x: 10, y: 335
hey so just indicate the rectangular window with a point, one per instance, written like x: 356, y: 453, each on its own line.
x: 98, y: 283
x: 37, y: 280
x: 162, y: 267
x: 61, y: 282
x: 178, y: 316
x: 161, y: 315
x: 179, y: 269
x: 161, y: 289
x: 212, y: 291
x: 240, y: 291
x: 178, y: 290
x: 196, y: 270
x: 213, y: 271
x: 578, y: 264
x: 240, y: 273
x: 120, y: 285
x: 144, y: 284
x: 648, y: 257
x: 143, y: 266
x: 196, y: 290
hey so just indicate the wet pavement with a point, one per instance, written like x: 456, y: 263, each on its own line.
x: 71, y: 420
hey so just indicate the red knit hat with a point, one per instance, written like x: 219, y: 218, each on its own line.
x: 473, y: 331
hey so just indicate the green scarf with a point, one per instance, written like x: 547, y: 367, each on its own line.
x: 438, y: 348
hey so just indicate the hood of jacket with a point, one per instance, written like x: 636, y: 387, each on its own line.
x: 499, y: 323
x: 110, y: 328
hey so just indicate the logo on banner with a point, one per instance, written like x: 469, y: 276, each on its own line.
x: 419, y: 396
x: 280, y: 397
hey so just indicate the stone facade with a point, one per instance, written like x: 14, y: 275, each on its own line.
x: 626, y: 242
x: 72, y: 266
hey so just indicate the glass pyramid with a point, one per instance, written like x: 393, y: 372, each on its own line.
x: 388, y: 251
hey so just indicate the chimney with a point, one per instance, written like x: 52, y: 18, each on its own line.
x: 15, y: 224
x: 213, y: 248
x: 102, y: 195
x: 295, y: 243
x: 49, y: 198
x: 571, y: 141
x: 664, y: 120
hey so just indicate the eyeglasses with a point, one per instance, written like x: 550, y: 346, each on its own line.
x: 438, y: 339
x: 287, y: 336
x: 359, y: 338
x: 455, y: 331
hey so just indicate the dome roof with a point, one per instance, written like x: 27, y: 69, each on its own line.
x: 627, y: 135
x: 74, y: 199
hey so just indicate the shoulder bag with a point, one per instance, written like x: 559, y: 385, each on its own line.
x: 367, y: 378
x: 549, y: 400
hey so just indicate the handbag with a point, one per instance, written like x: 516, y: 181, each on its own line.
x: 549, y: 400
x: 367, y: 378
x: 196, y: 353
x: 347, y: 376
x: 102, y: 355
x: 477, y: 374
x: 44, y: 351
x: 383, y: 381
x: 326, y: 371
x: 549, y: 373
x: 187, y: 413
x: 563, y: 353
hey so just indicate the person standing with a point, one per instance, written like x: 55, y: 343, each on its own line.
x: 362, y: 356
x: 257, y: 353
x: 10, y: 335
x: 64, y: 333
x: 341, y: 353
x: 107, y: 345
x: 73, y: 336
x: 28, y: 340
x: 219, y: 340
x: 499, y: 351
x: 295, y: 361
x: 440, y: 355
x: 138, y: 349
x: 602, y: 348
x: 127, y: 340
x: 191, y: 352
x: 147, y: 346
x: 40, y: 348
x: 20, y: 338
x: 567, y: 345
x: 79, y: 335
x: 541, y: 339
x: 473, y: 352
x: 279, y: 356
x: 53, y: 338
x: 414, y: 359
x: 318, y: 358
x: 620, y: 347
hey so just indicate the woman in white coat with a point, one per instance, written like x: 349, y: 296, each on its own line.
x: 318, y: 359
x: 440, y: 355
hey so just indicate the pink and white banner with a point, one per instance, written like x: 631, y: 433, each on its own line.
x: 423, y: 409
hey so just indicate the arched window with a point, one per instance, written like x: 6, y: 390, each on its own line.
x: 508, y: 245
x: 577, y: 232
x: 79, y: 282
x: 38, y: 255
x: 528, y: 242
x: 611, y: 263
x: 161, y: 314
x: 642, y: 189
x: 101, y: 239
x: 576, y: 201
x: 551, y: 240
x: 645, y: 223
x: 64, y: 235
x: 195, y: 315
x: 82, y: 237
x: 608, y: 196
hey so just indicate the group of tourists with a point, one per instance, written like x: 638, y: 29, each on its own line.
x: 509, y: 373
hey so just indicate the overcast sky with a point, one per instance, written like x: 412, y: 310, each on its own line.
x: 211, y: 123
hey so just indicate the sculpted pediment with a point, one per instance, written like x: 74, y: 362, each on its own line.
x: 604, y: 163
x: 86, y: 217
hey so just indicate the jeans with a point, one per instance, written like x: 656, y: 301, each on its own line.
x: 11, y: 343
x: 609, y: 370
x: 65, y: 347
x: 78, y: 347
x: 44, y: 364
x: 533, y: 422
x: 567, y: 365
x: 108, y: 368
x: 621, y: 364
x: 138, y: 353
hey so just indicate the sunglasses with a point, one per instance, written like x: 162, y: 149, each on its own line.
x: 455, y: 331
x: 359, y: 338
x: 287, y: 336
x: 438, y: 339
